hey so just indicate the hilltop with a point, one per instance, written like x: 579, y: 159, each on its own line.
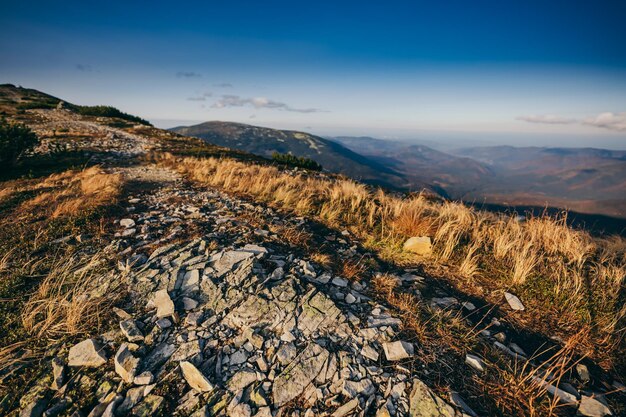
x: 148, y: 273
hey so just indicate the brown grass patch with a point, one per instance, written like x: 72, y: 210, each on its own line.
x: 72, y: 193
x: 73, y: 298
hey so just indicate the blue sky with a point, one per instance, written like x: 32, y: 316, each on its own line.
x: 543, y: 73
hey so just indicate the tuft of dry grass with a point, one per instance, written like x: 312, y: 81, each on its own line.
x: 71, y: 193
x: 522, y: 389
x: 73, y: 298
x: 569, y: 280
x: 354, y: 270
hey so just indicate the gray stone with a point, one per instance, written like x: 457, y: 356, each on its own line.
x: 131, y: 331
x: 87, y: 353
x: 127, y: 223
x: 398, y: 350
x: 475, y: 362
x: 148, y: 407
x: 58, y: 373
x: 126, y: 364
x: 299, y: 374
x: 195, y: 378
x: 514, y: 302
x: 286, y: 353
x: 144, y: 378
x: 347, y: 408
x: 164, y: 304
x: 591, y: 407
x: 420, y: 245
x: 424, y: 403
x: 241, y: 380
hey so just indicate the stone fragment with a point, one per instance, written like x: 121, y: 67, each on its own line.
x: 144, y: 378
x: 131, y: 331
x: 286, y: 353
x: 420, y: 245
x: 347, y: 408
x: 296, y: 377
x: 164, y: 304
x: 87, y: 353
x: 583, y: 372
x: 591, y: 407
x: 126, y: 364
x: 475, y: 362
x: 148, y: 407
x: 363, y: 387
x: 127, y: 223
x: 240, y: 410
x: 189, y: 303
x: 425, y: 403
x: 369, y: 352
x: 241, y: 380
x: 398, y: 350
x: 195, y: 378
x: 514, y: 302
x: 58, y: 373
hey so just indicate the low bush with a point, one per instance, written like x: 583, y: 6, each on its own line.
x: 108, y: 111
x: 15, y: 141
x: 296, y: 161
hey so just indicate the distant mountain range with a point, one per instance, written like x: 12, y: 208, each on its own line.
x: 264, y: 142
x: 584, y: 180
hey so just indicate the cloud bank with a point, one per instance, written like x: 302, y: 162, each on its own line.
x: 607, y: 120
x: 258, y: 103
x: 547, y: 119
x: 201, y: 97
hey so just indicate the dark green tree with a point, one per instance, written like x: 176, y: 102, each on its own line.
x: 15, y: 140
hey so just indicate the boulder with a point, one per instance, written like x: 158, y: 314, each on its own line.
x: 420, y: 245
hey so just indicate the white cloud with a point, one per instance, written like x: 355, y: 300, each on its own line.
x: 223, y: 85
x: 201, y: 97
x: 608, y: 120
x: 547, y: 119
x: 258, y: 103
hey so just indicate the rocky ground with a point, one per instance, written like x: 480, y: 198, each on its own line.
x: 226, y: 318
x: 227, y: 314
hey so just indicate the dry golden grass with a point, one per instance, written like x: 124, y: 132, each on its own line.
x: 524, y: 390
x: 569, y: 280
x: 72, y: 299
x: 71, y: 193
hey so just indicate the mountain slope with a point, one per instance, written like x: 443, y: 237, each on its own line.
x: 422, y: 164
x: 264, y: 141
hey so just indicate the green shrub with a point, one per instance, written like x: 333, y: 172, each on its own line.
x: 108, y: 111
x: 291, y: 160
x: 15, y: 140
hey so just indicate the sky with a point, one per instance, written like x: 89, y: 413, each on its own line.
x: 545, y: 73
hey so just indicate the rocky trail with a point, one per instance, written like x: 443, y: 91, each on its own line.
x: 226, y: 316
